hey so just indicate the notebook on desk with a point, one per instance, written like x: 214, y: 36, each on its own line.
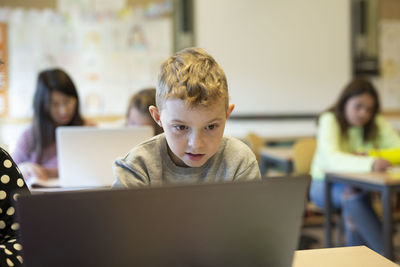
x: 230, y: 224
x: 85, y: 154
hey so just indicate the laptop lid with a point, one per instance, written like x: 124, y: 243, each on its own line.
x: 230, y: 224
x: 85, y: 154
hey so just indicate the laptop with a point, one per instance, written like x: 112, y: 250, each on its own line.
x: 229, y: 224
x: 85, y: 154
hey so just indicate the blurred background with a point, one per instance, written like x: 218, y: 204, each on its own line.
x: 286, y: 61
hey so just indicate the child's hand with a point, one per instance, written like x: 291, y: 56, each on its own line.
x: 30, y: 169
x: 380, y: 165
x: 360, y: 153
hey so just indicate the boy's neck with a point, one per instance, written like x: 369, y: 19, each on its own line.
x: 175, y: 159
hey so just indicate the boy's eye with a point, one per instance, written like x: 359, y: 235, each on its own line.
x: 180, y: 127
x: 211, y: 127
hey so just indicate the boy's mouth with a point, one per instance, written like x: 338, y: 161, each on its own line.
x: 195, y: 157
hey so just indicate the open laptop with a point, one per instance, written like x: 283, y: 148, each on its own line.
x: 85, y: 154
x: 230, y: 224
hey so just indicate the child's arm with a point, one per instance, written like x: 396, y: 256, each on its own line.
x: 251, y: 173
x: 23, y: 147
x: 126, y: 176
x: 387, y: 136
x: 11, y: 185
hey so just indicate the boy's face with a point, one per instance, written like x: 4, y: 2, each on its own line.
x: 193, y: 134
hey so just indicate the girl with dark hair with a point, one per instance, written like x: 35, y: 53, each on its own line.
x: 55, y: 103
x: 346, y: 133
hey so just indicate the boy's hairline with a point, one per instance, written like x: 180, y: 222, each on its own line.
x: 187, y: 103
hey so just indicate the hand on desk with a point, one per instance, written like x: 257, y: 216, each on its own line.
x: 30, y: 169
x: 380, y: 165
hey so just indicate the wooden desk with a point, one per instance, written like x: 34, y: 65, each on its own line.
x: 283, y: 156
x: 359, y: 256
x: 384, y: 183
x: 43, y: 190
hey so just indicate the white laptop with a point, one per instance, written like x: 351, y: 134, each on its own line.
x: 85, y: 154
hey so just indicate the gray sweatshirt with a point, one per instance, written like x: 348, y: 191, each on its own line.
x: 149, y: 164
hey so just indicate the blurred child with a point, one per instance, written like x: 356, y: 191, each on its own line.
x: 11, y: 185
x: 138, y: 109
x: 346, y: 133
x: 55, y: 104
x: 192, y: 108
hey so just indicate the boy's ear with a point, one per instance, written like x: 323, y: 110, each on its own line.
x: 155, y: 114
x: 230, y: 109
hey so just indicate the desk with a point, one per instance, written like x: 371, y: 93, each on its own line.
x: 384, y: 183
x: 42, y: 190
x: 283, y: 156
x: 359, y: 256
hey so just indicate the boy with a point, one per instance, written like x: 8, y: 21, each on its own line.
x: 192, y: 107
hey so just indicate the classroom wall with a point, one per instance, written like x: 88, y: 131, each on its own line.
x: 390, y: 9
x: 53, y: 3
x: 292, y: 57
x: 106, y: 65
x: 109, y: 55
x: 279, y: 56
x: 388, y: 81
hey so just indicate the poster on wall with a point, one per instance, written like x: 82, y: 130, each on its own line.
x: 109, y: 53
x: 390, y: 64
x: 3, y: 70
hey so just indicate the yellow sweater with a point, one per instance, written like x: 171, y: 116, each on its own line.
x: 335, y: 154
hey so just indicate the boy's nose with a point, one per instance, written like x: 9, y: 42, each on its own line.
x: 196, y: 141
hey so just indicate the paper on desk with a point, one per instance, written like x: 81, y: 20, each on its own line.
x: 35, y: 182
x: 394, y: 171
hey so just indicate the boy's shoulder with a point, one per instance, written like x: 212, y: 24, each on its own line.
x: 236, y: 158
x: 148, y: 148
x: 232, y: 141
x: 231, y: 145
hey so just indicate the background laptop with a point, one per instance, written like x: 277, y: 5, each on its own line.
x: 85, y: 154
x: 231, y: 224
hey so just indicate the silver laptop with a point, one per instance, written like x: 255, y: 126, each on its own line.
x: 230, y: 224
x: 85, y: 154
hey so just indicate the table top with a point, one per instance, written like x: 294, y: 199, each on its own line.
x: 379, y: 178
x: 359, y: 256
x: 284, y: 153
x: 41, y: 190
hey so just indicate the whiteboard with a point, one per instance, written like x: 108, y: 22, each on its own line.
x: 280, y: 57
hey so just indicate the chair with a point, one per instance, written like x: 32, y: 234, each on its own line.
x: 303, y: 153
x: 255, y: 142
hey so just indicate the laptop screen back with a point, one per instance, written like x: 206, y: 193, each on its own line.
x: 231, y: 224
x: 85, y: 154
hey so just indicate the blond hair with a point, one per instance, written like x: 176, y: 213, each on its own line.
x: 194, y: 76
